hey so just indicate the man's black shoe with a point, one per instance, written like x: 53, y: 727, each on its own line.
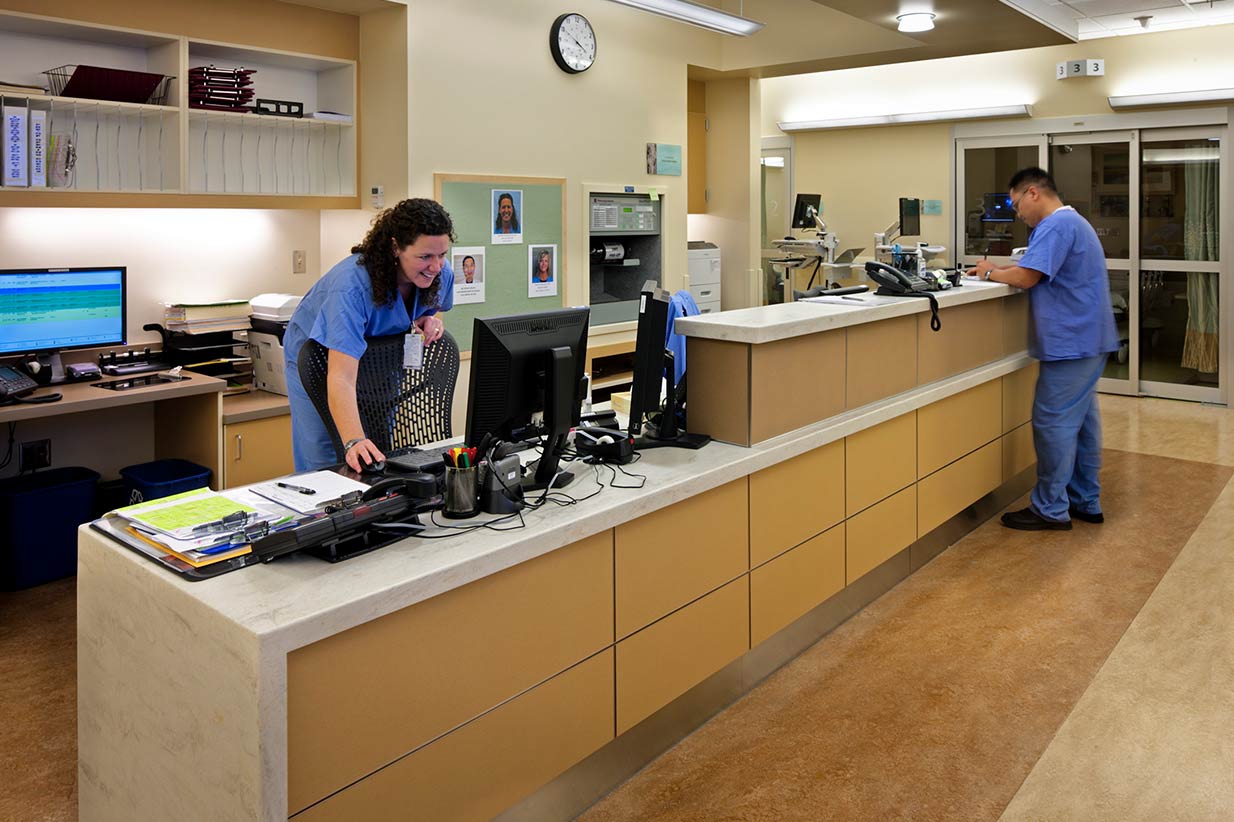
x: 1026, y: 519
x: 1096, y: 518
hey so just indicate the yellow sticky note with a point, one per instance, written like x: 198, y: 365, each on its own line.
x: 655, y: 194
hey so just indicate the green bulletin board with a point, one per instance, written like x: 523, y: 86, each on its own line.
x: 469, y: 200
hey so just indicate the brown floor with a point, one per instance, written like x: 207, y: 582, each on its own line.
x: 38, y: 700
x: 935, y: 702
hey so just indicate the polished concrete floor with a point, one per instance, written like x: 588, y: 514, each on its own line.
x: 1071, y: 676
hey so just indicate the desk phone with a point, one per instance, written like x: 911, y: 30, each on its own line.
x: 14, y: 384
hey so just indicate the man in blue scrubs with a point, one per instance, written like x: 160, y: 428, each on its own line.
x: 1071, y: 331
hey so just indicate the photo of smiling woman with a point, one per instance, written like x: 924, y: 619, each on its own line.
x: 507, y: 222
x: 542, y: 263
x: 398, y: 278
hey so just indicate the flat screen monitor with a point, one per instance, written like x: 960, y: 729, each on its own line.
x: 910, y: 217
x: 47, y: 310
x: 996, y: 208
x: 802, y: 218
x: 523, y: 366
x: 649, y: 357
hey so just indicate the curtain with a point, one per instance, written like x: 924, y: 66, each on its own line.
x: 1200, y: 242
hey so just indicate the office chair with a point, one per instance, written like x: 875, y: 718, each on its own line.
x: 399, y: 407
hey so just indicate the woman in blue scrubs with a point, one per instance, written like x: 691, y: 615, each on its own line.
x: 397, y: 279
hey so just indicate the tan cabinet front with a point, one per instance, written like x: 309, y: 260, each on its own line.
x: 958, y: 425
x: 256, y: 450
x: 880, y: 461
x: 1018, y: 390
x: 795, y: 500
x: 793, y: 583
x: 946, y: 493
x: 879, y: 533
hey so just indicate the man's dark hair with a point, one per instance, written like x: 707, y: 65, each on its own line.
x: 1032, y: 176
x: 468, y: 257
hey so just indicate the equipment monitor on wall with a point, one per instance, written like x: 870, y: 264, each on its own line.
x: 802, y: 218
x: 910, y: 217
x: 996, y: 208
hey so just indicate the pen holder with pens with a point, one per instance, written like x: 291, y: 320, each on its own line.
x: 462, y: 494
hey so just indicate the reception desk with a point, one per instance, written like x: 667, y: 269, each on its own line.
x: 523, y: 673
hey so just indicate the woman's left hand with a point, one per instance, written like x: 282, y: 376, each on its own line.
x: 431, y: 326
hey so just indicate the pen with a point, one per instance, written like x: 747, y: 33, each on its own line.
x: 846, y: 297
x: 299, y: 488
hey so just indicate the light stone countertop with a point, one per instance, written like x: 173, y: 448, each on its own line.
x: 297, y: 600
x: 779, y: 322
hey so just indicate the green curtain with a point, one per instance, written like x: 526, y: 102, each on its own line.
x: 1201, y: 238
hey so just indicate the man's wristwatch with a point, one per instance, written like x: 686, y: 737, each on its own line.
x: 350, y: 444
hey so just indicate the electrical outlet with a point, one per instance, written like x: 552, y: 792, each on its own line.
x: 34, y: 455
x: 299, y: 262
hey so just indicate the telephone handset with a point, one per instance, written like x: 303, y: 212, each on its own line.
x: 894, y: 280
x: 895, y: 283
x: 14, y: 385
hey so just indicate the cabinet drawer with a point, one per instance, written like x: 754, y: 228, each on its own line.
x: 795, y: 500
x: 256, y: 450
x: 666, y: 559
x: 880, y: 461
x: 879, y: 533
x: 793, y: 583
x: 358, y: 700
x: 704, y: 292
x: 488, y: 765
x: 1018, y: 390
x: 958, y: 425
x: 663, y: 661
x: 1019, y: 454
x: 712, y: 307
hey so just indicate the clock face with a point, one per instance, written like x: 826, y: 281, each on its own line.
x: 573, y: 43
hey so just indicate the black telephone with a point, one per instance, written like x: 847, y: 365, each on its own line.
x: 894, y: 281
x: 14, y: 384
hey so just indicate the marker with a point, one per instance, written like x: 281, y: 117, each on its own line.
x: 299, y: 488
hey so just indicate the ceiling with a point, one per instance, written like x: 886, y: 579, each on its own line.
x: 1117, y: 18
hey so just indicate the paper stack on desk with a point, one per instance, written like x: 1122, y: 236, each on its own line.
x: 304, y: 493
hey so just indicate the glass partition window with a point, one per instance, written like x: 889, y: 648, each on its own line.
x: 989, y: 225
x: 1118, y: 366
x: 1095, y: 179
x: 1179, y: 198
x: 1178, y: 327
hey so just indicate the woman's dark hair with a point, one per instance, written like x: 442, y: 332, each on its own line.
x: 513, y: 212
x: 405, y: 223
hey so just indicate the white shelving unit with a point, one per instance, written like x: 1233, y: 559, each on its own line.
x: 129, y: 148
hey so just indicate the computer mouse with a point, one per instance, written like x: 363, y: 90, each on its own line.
x: 375, y: 467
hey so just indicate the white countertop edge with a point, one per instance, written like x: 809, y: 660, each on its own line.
x: 780, y: 322
x: 298, y: 600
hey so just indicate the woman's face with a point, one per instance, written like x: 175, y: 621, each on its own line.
x: 421, y: 262
x: 505, y: 209
x: 542, y: 268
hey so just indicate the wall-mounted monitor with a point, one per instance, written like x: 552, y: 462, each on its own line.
x: 802, y: 218
x: 910, y: 217
x: 996, y: 208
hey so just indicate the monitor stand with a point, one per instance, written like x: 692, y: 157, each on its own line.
x: 666, y: 434
x: 53, y: 362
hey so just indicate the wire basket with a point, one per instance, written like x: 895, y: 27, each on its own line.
x: 115, y: 85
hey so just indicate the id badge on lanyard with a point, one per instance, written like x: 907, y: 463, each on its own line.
x: 413, y: 350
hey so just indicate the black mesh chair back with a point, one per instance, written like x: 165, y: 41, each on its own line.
x: 399, y: 407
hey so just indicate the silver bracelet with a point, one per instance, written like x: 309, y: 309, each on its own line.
x: 350, y: 444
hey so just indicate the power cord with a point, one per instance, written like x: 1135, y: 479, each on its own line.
x: 8, y: 454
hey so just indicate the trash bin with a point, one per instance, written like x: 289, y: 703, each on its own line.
x: 39, y: 515
x: 163, y: 478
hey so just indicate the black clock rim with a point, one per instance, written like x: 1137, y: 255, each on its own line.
x: 555, y: 48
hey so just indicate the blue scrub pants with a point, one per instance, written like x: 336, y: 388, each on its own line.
x: 1067, y: 436
x: 310, y: 441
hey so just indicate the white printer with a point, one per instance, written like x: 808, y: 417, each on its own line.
x: 269, y: 314
x: 703, y: 265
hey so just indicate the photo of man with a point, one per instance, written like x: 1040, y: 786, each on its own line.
x: 468, y: 264
x: 507, y: 217
x: 542, y: 265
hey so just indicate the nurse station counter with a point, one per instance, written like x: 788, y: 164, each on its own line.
x: 522, y: 674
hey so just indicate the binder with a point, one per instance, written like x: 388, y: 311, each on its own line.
x: 15, y: 146
x: 38, y: 148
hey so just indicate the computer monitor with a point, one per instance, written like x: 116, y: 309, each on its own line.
x: 802, y: 218
x: 996, y: 208
x: 524, y: 365
x: 44, y: 311
x: 654, y: 366
x: 910, y: 217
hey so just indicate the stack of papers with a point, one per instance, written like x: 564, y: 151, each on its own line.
x: 198, y: 318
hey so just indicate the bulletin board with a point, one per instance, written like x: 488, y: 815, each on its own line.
x: 469, y: 199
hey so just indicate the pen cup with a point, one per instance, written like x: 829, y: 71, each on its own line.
x: 462, y: 493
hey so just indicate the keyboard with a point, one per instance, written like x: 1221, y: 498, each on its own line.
x: 411, y: 460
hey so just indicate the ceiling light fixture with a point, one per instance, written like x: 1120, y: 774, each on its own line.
x: 1021, y: 110
x: 1212, y: 95
x: 916, y: 21
x: 697, y: 14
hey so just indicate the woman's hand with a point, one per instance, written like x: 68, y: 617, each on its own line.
x: 431, y: 326
x: 363, y: 454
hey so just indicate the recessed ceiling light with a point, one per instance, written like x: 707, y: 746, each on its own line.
x: 916, y: 21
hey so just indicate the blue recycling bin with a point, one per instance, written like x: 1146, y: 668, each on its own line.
x: 39, y: 515
x: 163, y: 478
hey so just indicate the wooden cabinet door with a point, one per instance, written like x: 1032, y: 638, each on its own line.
x: 256, y: 450
x: 696, y: 163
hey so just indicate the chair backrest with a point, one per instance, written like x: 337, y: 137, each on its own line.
x: 399, y: 407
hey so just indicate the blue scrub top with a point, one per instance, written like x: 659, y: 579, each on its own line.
x: 338, y: 312
x: 1071, y: 316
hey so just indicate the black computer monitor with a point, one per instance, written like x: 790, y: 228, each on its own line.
x: 910, y: 217
x: 520, y: 366
x: 44, y: 311
x: 996, y: 208
x: 802, y: 218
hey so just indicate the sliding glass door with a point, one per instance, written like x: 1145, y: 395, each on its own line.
x: 985, y: 225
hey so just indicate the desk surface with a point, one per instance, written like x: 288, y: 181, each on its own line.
x: 779, y: 322
x: 254, y: 405
x: 87, y: 396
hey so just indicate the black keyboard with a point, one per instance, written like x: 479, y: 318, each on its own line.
x: 411, y: 460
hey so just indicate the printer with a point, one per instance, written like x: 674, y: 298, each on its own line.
x: 269, y: 315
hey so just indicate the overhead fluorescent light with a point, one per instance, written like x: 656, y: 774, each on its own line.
x: 1021, y: 110
x: 697, y: 14
x: 772, y: 162
x: 916, y: 21
x: 1192, y: 154
x: 1212, y: 95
